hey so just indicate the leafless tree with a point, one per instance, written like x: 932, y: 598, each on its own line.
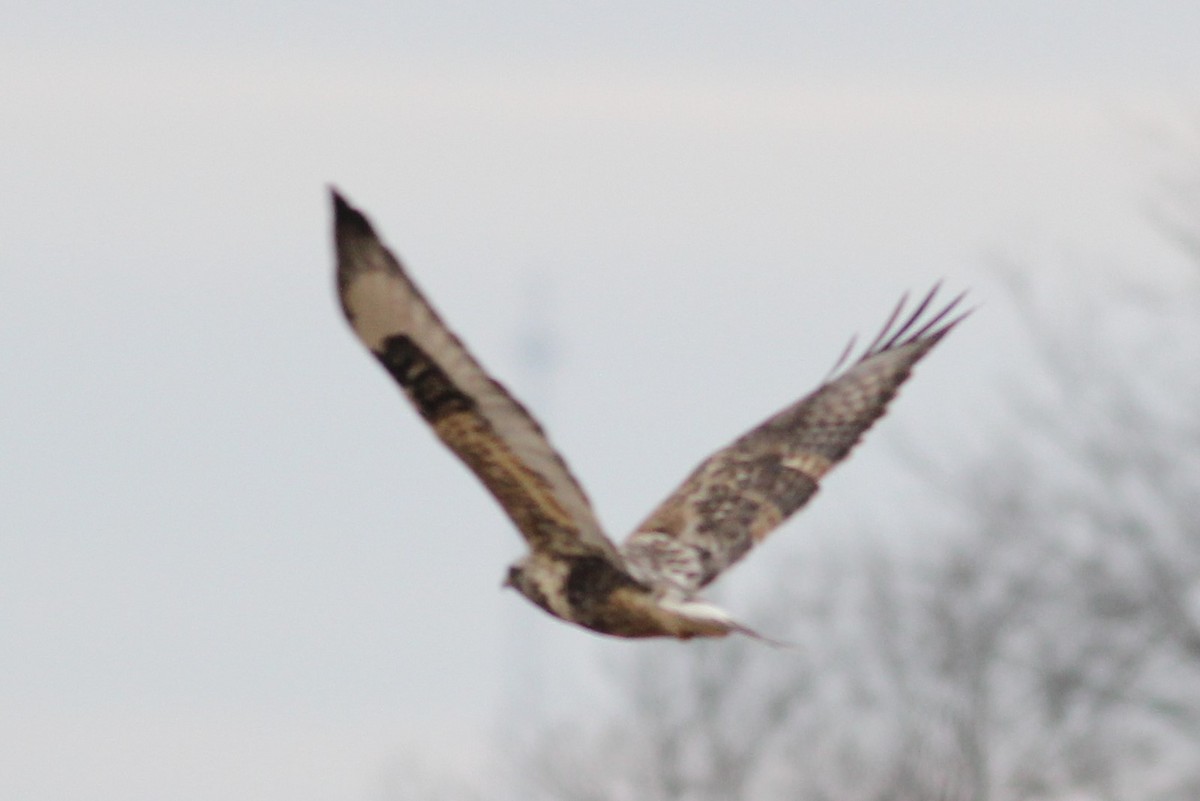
x: 1047, y: 648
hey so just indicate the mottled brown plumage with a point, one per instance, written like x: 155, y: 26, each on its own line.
x: 648, y: 587
x: 741, y: 493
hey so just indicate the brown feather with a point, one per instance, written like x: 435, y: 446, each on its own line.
x: 737, y: 496
x: 472, y: 414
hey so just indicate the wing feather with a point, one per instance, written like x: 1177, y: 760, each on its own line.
x: 473, y: 414
x: 737, y: 496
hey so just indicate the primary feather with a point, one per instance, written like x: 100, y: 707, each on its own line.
x: 743, y: 492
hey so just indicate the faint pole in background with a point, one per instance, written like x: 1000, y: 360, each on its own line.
x: 538, y: 357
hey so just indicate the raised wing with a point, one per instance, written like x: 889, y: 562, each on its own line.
x: 472, y: 413
x: 740, y: 494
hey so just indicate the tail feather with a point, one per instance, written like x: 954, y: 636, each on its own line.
x: 704, y: 619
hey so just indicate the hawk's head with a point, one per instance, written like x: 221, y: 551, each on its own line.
x: 525, y: 577
x: 516, y: 574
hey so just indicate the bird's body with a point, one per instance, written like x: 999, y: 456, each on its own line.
x: 649, y: 586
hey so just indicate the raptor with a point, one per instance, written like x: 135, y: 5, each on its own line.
x: 648, y: 586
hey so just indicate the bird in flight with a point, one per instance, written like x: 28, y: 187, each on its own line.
x: 649, y: 586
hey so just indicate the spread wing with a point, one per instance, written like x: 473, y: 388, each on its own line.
x: 472, y: 413
x: 740, y: 494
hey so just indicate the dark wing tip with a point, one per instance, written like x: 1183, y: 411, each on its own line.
x: 347, y: 220
x: 929, y: 331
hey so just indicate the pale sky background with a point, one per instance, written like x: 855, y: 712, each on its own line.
x: 233, y: 564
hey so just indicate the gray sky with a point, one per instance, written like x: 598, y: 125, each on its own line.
x: 232, y: 562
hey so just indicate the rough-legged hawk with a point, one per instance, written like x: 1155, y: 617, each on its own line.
x: 648, y: 586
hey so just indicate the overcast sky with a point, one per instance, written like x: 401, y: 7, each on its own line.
x: 233, y: 564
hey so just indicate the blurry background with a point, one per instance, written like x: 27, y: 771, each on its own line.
x: 234, y: 564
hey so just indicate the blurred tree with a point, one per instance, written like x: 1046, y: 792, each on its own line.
x: 1047, y: 648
